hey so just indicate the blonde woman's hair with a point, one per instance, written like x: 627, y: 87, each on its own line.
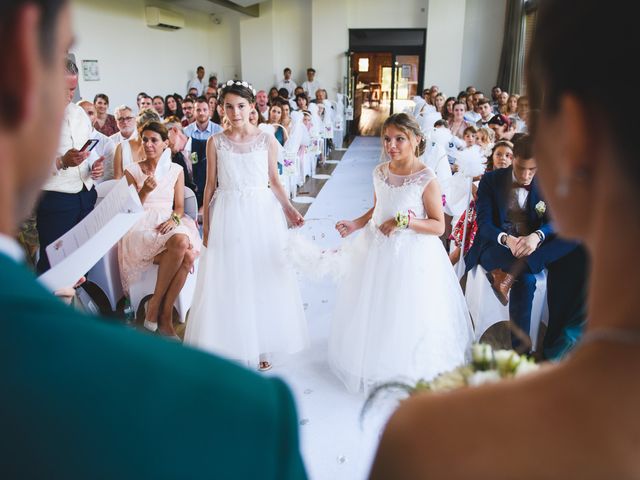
x: 407, y: 125
x: 147, y: 115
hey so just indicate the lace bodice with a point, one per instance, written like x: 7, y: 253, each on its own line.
x: 242, y: 166
x: 399, y: 193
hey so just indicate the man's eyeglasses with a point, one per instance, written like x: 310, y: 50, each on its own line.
x: 124, y: 119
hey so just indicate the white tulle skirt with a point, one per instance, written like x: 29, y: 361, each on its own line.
x: 400, y: 313
x: 247, y: 305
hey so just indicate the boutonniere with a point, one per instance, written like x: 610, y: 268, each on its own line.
x: 194, y: 157
x: 541, y: 207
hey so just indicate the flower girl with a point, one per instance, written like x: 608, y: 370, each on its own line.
x: 247, y: 304
x: 400, y: 312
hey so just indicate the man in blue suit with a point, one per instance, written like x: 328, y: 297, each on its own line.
x: 515, y: 239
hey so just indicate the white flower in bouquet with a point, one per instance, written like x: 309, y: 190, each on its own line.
x: 448, y: 381
x: 525, y: 367
x: 481, y: 354
x: 506, y: 360
x: 480, y: 378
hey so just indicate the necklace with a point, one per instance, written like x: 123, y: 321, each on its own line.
x: 612, y: 335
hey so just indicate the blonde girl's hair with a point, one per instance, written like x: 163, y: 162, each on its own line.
x: 407, y: 125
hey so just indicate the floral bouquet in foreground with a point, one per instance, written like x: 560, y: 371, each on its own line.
x: 487, y: 366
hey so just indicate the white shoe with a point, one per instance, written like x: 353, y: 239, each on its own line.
x: 151, y: 326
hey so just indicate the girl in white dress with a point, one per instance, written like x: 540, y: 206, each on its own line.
x: 247, y: 304
x: 400, y: 313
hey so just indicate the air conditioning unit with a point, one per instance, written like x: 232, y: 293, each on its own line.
x: 165, y: 19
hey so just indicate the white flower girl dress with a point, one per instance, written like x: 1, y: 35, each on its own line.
x: 400, y: 312
x: 247, y: 304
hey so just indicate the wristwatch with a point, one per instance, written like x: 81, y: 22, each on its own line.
x: 540, y: 236
x: 503, y: 239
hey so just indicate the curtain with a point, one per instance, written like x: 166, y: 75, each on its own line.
x: 513, y: 48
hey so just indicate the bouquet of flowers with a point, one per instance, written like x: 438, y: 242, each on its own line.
x: 487, y: 366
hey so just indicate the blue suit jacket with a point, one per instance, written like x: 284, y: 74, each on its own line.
x: 84, y: 397
x: 492, y: 208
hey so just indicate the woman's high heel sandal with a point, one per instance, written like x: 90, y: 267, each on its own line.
x: 151, y: 326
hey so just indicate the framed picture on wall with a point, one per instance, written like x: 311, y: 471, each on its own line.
x: 406, y: 70
x: 90, y: 72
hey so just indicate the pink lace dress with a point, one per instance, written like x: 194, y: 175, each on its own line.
x: 138, y: 248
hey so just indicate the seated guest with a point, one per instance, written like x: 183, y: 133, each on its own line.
x: 144, y: 103
x: 158, y: 105
x: 515, y: 238
x: 188, y: 109
x: 283, y: 94
x: 126, y: 123
x: 213, y: 81
x: 292, y: 99
x: 172, y: 107
x: 285, y: 120
x: 485, y: 110
x: 131, y: 151
x: 139, y: 98
x: 502, y: 126
x: 321, y: 96
x: 302, y: 102
x: 180, y: 146
x: 458, y: 124
x: 104, y: 123
x: 164, y: 236
x: 522, y: 114
x: 210, y: 92
x: 275, y: 119
x: 77, y: 390
x: 255, y: 118
x: 262, y: 104
x: 200, y: 131
x: 105, y: 147
x: 273, y: 95
x: 213, y: 107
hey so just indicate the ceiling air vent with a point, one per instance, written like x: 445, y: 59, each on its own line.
x: 164, y: 19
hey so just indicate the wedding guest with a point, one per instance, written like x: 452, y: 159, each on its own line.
x: 64, y: 374
x: 302, y: 102
x: 104, y: 122
x: 68, y: 194
x: 286, y: 116
x: 172, y: 108
x: 283, y: 94
x: 286, y: 83
x: 586, y: 419
x: 139, y: 98
x: 180, y: 146
x: 438, y: 102
x: 458, y: 124
x: 321, y: 96
x: 470, y: 136
x: 200, y: 131
x: 158, y: 104
x: 447, y: 110
x: 521, y: 117
x: 502, y: 127
x: 485, y: 110
x: 131, y: 151
x: 188, y: 107
x: 311, y: 84
x: 210, y: 92
x: 272, y: 95
x: 126, y: 124
x: 255, y: 118
x: 192, y: 92
x: 197, y: 81
x: 502, y: 102
x: 105, y: 147
x: 517, y: 239
x: 511, y: 107
x: 275, y: 119
x: 164, y: 235
x: 213, y: 107
x: 145, y: 103
x: 495, y: 97
x: 213, y: 81
x: 262, y: 104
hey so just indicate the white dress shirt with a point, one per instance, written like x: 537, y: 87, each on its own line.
x: 11, y: 248
x: 117, y: 138
x: 311, y: 87
x: 76, y: 130
x: 290, y: 85
x: 196, y: 83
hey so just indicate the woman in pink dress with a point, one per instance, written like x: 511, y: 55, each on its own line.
x: 164, y: 236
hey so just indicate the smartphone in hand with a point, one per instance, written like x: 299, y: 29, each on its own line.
x: 89, y: 145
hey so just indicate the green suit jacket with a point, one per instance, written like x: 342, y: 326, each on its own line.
x: 81, y: 397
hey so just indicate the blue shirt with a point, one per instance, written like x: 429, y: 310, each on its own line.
x: 192, y: 130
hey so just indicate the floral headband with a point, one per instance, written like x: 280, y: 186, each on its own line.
x: 242, y: 84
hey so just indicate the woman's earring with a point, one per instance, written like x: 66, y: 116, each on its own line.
x: 417, y: 151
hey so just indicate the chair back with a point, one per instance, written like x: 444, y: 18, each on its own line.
x: 190, y: 204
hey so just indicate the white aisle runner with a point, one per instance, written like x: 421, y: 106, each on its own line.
x: 334, y: 444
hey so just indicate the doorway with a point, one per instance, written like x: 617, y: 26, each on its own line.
x: 386, y: 68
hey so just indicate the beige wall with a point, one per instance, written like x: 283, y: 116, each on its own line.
x: 133, y: 57
x: 463, y: 42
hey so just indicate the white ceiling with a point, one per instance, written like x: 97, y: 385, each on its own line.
x: 209, y: 7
